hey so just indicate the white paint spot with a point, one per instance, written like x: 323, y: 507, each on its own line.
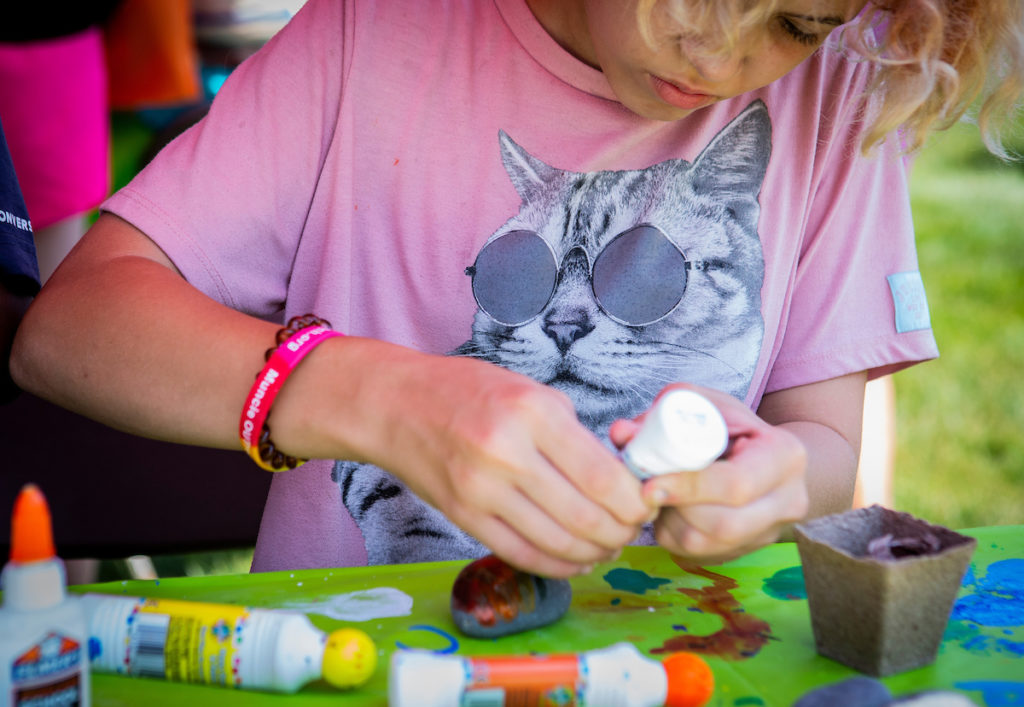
x: 364, y: 605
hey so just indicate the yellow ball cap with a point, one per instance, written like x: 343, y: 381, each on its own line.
x: 350, y: 657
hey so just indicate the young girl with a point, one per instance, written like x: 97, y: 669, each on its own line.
x: 529, y: 217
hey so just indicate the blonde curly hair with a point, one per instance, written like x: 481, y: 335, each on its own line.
x: 937, y: 59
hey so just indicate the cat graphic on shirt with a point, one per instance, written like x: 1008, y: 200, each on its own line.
x: 708, y: 208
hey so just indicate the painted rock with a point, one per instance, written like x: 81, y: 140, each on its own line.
x: 491, y: 599
x: 853, y: 692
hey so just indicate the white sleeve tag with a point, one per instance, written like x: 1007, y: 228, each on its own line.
x: 909, y: 301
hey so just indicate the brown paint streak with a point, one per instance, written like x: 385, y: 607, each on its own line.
x: 741, y: 636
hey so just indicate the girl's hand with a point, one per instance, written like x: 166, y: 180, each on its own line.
x: 501, y: 455
x: 739, y: 503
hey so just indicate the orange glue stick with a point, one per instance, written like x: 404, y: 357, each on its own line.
x: 616, y: 676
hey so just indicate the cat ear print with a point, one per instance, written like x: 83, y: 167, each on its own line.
x: 733, y: 165
x: 528, y: 174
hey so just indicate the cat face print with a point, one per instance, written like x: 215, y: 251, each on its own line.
x: 609, y: 285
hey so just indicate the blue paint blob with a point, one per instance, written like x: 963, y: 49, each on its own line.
x: 1006, y: 646
x: 453, y: 643
x: 679, y: 627
x: 998, y: 598
x: 989, y: 610
x: 786, y: 584
x: 95, y: 647
x: 634, y: 581
x: 996, y: 693
x: 616, y: 601
x: 977, y: 644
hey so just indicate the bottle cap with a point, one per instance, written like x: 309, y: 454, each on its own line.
x: 31, y: 529
x: 684, y: 431
x: 350, y: 658
x: 690, y: 680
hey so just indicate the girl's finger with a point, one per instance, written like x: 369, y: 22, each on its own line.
x: 752, y: 468
x: 715, y: 530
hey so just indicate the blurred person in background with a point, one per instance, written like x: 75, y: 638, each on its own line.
x: 54, y: 110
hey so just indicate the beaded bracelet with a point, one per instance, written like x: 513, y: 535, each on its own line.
x: 301, y: 335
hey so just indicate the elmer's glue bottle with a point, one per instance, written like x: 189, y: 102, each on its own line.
x: 43, y: 638
x: 616, y: 676
x: 222, y: 644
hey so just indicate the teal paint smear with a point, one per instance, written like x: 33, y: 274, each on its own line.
x: 753, y: 700
x: 786, y: 584
x: 960, y: 632
x: 634, y: 581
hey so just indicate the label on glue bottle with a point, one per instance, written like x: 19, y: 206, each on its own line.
x: 534, y: 680
x: 49, y: 673
x: 169, y: 639
x: 617, y: 676
x: 684, y: 431
x: 222, y: 644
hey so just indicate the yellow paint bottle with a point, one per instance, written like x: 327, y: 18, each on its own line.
x: 222, y: 644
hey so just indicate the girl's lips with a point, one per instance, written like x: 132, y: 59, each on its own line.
x: 673, y: 95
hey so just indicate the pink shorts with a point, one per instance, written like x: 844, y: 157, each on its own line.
x: 53, y: 108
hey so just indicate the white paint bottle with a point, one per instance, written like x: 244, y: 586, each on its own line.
x: 43, y: 638
x: 616, y: 676
x: 684, y: 431
x: 222, y: 644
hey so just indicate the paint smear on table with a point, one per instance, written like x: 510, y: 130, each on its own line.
x: 786, y: 584
x: 996, y: 693
x: 985, y: 621
x: 742, y: 635
x: 364, y: 605
x: 998, y: 597
x: 634, y: 581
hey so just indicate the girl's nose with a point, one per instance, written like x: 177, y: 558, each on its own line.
x: 719, y: 67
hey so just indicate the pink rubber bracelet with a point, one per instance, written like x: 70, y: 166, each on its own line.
x: 268, y: 384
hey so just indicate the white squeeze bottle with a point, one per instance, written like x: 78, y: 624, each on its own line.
x: 684, y: 431
x: 222, y: 644
x: 43, y: 638
x: 616, y: 676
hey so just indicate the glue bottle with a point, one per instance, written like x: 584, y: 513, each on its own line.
x: 616, y: 676
x: 222, y: 644
x: 684, y: 431
x: 43, y: 639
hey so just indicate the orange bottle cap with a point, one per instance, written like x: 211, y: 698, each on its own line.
x: 31, y: 529
x: 690, y: 680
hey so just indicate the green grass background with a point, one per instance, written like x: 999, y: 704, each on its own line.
x: 960, y: 419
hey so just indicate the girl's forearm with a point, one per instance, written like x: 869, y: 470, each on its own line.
x: 119, y: 336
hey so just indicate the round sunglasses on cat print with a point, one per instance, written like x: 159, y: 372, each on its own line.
x: 637, y: 279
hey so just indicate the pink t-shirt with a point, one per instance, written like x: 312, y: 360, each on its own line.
x: 359, y: 164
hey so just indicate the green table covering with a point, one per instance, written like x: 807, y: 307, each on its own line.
x: 749, y: 618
